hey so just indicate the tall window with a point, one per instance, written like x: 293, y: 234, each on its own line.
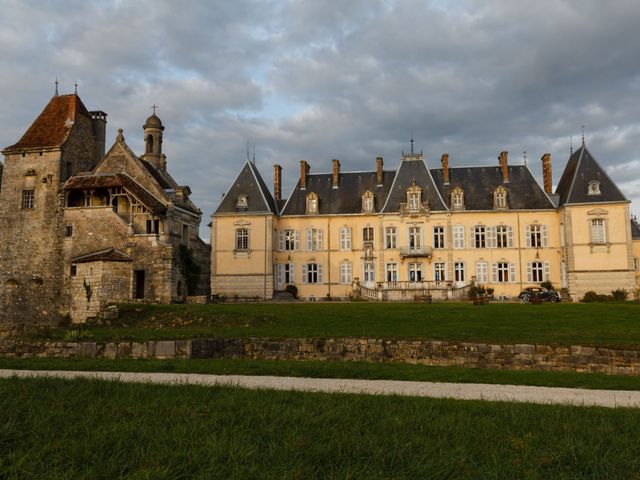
x: 504, y: 272
x: 242, y: 239
x: 367, y: 234
x: 369, y: 272
x: 536, y: 235
x: 415, y: 239
x: 289, y: 240
x: 28, y: 199
x: 458, y: 236
x: 345, y: 238
x: 345, y: 272
x: 392, y: 272
x: 312, y: 273
x: 481, y: 272
x: 367, y: 202
x: 500, y: 198
x: 504, y: 236
x: 457, y: 199
x: 438, y: 237
x: 537, y: 271
x: 414, y: 194
x: 391, y: 235
x: 312, y: 202
x: 458, y: 272
x: 479, y: 237
x: 285, y: 275
x: 440, y: 272
x: 415, y: 272
x: 598, y: 233
x: 314, y: 239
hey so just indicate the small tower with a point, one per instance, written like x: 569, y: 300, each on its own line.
x: 153, y: 129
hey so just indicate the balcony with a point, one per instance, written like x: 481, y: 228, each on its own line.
x: 416, y: 252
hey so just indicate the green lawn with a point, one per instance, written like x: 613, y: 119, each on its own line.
x: 334, y: 369
x: 54, y: 429
x: 611, y: 324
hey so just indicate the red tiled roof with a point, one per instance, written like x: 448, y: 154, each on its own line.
x: 53, y: 125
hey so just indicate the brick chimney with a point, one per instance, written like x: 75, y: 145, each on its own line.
x: 379, y: 164
x: 445, y: 168
x: 546, y: 173
x: 277, y: 182
x: 304, y: 171
x: 504, y: 166
x: 336, y: 173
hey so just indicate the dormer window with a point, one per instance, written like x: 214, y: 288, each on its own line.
x: 500, y: 198
x: 593, y: 187
x: 414, y: 197
x: 242, y: 201
x: 367, y: 202
x: 312, y: 202
x: 457, y: 199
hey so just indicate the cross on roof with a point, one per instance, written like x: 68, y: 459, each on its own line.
x: 154, y: 106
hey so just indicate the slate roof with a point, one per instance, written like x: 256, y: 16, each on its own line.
x: 635, y: 229
x: 478, y: 184
x: 249, y: 183
x: 413, y: 169
x: 108, y: 255
x: 117, y: 180
x: 580, y: 170
x: 347, y: 198
x: 52, y: 127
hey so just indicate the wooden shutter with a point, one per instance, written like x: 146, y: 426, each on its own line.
x: 512, y: 272
x: 545, y: 236
x: 490, y: 238
x: 547, y: 271
x: 304, y: 273
x: 319, y: 273
x: 472, y: 237
x: 296, y: 242
x: 529, y: 272
x: 319, y: 239
x: 510, y: 236
x: 281, y: 237
x: 494, y: 272
x: 527, y: 235
x: 309, y: 239
x: 292, y: 273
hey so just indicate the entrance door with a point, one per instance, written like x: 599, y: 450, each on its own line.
x: 139, y: 287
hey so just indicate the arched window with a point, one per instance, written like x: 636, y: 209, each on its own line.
x: 149, y: 143
x: 414, y: 198
x: 367, y: 202
x: 500, y: 198
x: 457, y: 199
x: 312, y: 202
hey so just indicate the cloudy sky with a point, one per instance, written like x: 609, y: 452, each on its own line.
x: 327, y: 79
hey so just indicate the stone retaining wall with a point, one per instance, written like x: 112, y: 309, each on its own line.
x: 425, y: 352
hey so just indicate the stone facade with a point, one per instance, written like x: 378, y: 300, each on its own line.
x: 420, y: 352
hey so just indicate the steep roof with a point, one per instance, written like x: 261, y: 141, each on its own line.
x: 581, y: 169
x: 413, y: 169
x: 52, y: 127
x: 249, y: 183
x: 347, y: 198
x: 635, y: 229
x: 478, y: 184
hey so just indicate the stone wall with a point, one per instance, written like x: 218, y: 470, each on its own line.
x: 424, y: 352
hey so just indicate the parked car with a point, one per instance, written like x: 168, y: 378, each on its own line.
x: 545, y: 295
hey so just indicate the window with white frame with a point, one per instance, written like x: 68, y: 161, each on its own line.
x: 598, y: 232
x: 457, y: 199
x: 367, y: 202
x: 311, y: 273
x: 538, y: 271
x: 289, y: 240
x: 458, y: 272
x: 285, y: 275
x: 392, y: 272
x: 458, y: 236
x: 391, y: 237
x: 414, y: 194
x: 500, y: 198
x: 367, y: 234
x: 314, y: 239
x: 415, y: 272
x: 345, y: 238
x: 415, y: 239
x: 504, y: 236
x: 536, y: 236
x: 504, y: 272
x: 481, y: 272
x: 345, y: 272
x: 440, y: 272
x: 242, y: 239
x: 312, y: 202
x: 479, y: 236
x: 438, y: 237
x: 369, y: 272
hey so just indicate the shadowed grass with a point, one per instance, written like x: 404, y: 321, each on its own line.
x: 611, y: 324
x: 335, y: 369
x: 54, y: 429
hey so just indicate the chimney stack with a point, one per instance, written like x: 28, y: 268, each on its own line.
x: 277, y: 182
x: 445, y: 168
x: 379, y: 164
x: 504, y: 166
x: 546, y: 173
x: 99, y: 123
x: 336, y: 173
x: 304, y: 170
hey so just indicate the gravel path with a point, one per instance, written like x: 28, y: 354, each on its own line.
x: 459, y: 391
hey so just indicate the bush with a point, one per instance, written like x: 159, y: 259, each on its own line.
x: 616, y: 295
x: 77, y: 334
x: 620, y: 294
x: 548, y: 285
x: 476, y: 291
x: 292, y: 289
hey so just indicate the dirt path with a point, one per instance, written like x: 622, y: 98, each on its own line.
x: 459, y: 391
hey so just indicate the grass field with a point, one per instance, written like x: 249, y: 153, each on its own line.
x: 611, y: 324
x: 54, y: 429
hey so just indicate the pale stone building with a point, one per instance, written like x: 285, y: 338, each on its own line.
x: 81, y: 229
x: 404, y: 233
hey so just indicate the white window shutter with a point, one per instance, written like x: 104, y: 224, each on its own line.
x: 319, y: 239
x: 296, y: 242
x: 527, y: 235
x: 462, y: 236
x: 512, y: 272
x: 472, y: 239
x: 491, y: 237
x: 281, y: 240
x: 545, y: 236
x: 547, y: 271
x: 494, y: 272
x: 529, y: 273
x: 320, y: 273
x: 510, y: 236
x: 304, y: 273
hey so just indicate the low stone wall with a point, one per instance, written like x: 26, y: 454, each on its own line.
x: 425, y: 352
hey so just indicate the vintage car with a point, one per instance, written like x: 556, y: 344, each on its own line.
x: 528, y: 294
